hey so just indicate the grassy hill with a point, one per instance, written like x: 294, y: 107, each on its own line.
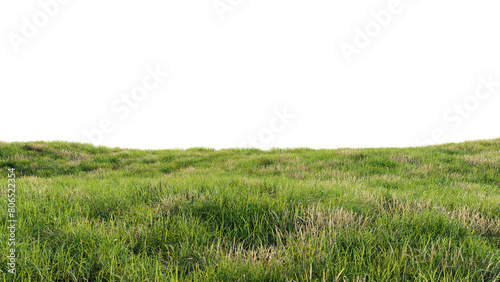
x: 90, y: 213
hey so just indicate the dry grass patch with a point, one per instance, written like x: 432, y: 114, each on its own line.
x: 329, y: 173
x: 33, y: 180
x: 79, y: 158
x: 20, y: 157
x: 251, y: 181
x: 349, y: 152
x: 237, y: 253
x: 172, y: 201
x: 423, y: 170
x: 82, y: 157
x: 468, y: 186
x: 315, y: 225
x: 471, y: 219
x: 468, y: 218
x: 403, y: 158
x: 34, y: 185
x: 73, y: 163
x: 154, y: 165
x: 467, y: 147
x: 100, y: 172
x: 149, y: 159
x: 480, y: 159
x: 297, y: 172
x: 320, y: 219
x: 65, y: 152
x: 36, y: 147
x: 188, y: 170
x: 388, y: 177
x: 75, y: 194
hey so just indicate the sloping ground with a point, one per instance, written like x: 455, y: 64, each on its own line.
x: 93, y: 213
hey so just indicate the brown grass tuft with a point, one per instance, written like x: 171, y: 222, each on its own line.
x: 402, y: 159
x: 481, y: 159
x: 36, y: 147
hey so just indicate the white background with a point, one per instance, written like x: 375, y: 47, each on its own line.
x: 229, y: 75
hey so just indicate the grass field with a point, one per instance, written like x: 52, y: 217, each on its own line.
x: 90, y: 213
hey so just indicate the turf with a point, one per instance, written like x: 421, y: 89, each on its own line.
x: 90, y: 213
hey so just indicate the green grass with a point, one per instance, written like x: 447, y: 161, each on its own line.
x: 90, y: 213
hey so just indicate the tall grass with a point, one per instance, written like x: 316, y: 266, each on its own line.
x: 108, y: 214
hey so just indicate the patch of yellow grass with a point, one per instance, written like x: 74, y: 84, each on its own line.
x: 483, y: 158
x: 315, y: 225
x: 36, y: 146
x: 349, y: 151
x: 467, y: 217
x: 65, y: 152
x: 388, y: 177
x: 423, y: 169
x: 100, y: 172
x: 320, y: 219
x: 79, y: 158
x: 20, y: 157
x: 34, y: 185
x: 188, y: 170
x: 468, y: 186
x: 170, y: 201
x: 403, y: 158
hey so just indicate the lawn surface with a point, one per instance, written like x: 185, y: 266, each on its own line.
x: 90, y: 213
